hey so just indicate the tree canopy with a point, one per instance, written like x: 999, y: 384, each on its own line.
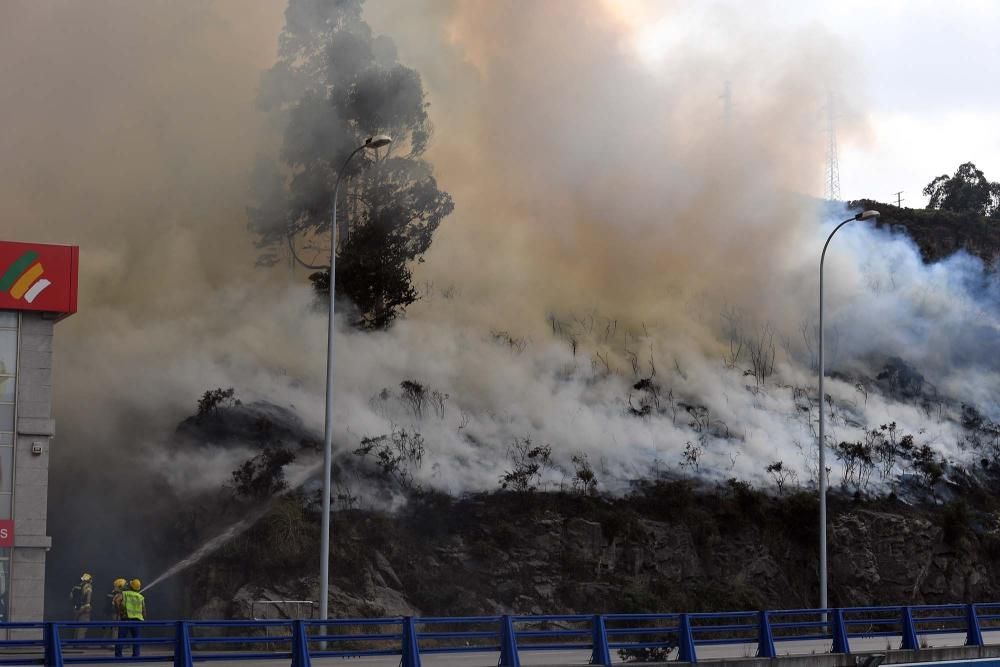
x: 334, y: 85
x: 968, y: 190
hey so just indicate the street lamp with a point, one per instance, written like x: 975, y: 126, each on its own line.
x: 822, y: 443
x: 324, y: 565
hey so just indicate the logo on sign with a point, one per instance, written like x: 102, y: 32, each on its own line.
x: 23, y: 278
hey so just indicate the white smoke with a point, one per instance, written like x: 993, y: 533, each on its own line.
x: 605, y: 213
x: 883, y: 301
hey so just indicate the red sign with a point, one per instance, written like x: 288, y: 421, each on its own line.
x: 6, y: 533
x: 40, y: 277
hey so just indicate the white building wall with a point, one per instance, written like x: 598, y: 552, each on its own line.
x: 35, y: 428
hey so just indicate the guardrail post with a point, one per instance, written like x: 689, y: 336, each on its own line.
x: 508, y: 644
x: 685, y: 641
x: 53, y: 645
x: 182, y: 645
x: 910, y: 641
x: 974, y: 636
x: 765, y: 641
x: 300, y: 645
x: 841, y: 640
x: 600, y: 654
x: 411, y: 647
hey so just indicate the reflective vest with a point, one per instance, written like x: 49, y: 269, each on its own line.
x: 134, y: 603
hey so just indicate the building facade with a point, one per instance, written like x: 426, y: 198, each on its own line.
x: 26, y: 428
x: 37, y: 288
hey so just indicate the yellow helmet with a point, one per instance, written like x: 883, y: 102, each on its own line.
x: 135, y: 584
x: 85, y: 577
x: 120, y: 583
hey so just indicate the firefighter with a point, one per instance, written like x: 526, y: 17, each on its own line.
x: 132, y: 607
x: 81, y: 596
x: 111, y: 607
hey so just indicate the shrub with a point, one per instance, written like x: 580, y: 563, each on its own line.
x: 415, y: 396
x: 528, y: 463
x: 648, y: 654
x: 396, y: 455
x: 263, y: 475
x: 584, y: 479
x: 214, y: 399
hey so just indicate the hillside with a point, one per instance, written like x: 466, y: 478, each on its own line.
x: 929, y: 533
x: 939, y: 234
x: 667, y: 544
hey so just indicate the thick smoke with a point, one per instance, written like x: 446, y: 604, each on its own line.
x: 613, y: 221
x: 130, y: 129
x: 609, y: 222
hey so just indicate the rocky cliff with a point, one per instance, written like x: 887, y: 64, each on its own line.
x: 668, y: 546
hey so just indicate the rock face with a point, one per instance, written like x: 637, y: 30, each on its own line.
x: 910, y: 557
x: 660, y: 550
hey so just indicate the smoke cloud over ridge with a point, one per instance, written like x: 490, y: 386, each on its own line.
x: 612, y: 224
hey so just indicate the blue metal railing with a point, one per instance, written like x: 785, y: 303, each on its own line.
x: 677, y: 636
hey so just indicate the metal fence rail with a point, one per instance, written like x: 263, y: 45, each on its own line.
x: 671, y: 636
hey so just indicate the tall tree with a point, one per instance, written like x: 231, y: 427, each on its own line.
x: 967, y: 190
x: 334, y: 85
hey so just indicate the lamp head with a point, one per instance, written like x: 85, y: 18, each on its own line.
x: 865, y: 215
x: 378, y: 141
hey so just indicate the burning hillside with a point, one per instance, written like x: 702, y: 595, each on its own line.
x: 569, y: 268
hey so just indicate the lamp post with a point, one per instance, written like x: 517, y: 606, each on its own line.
x: 822, y: 443
x: 324, y: 565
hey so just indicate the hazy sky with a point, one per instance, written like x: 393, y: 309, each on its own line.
x: 923, y: 70
x: 929, y: 70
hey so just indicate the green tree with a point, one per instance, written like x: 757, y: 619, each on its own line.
x: 967, y: 190
x: 334, y: 85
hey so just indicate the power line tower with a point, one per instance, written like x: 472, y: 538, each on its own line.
x: 899, y: 199
x: 727, y: 102
x: 832, y: 179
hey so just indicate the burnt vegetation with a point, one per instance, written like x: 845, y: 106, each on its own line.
x: 528, y: 462
x: 611, y: 553
x: 263, y: 476
x: 213, y: 401
x: 396, y: 456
